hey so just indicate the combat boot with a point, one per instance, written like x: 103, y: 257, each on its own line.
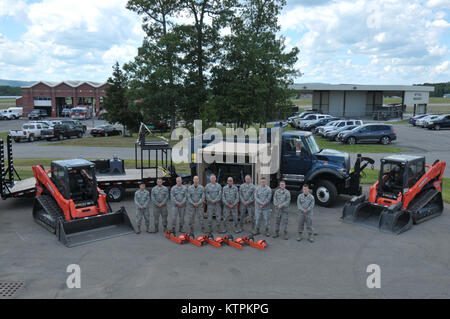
x: 276, y: 235
x: 256, y: 231
x: 267, y: 233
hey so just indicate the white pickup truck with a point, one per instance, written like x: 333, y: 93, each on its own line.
x: 30, y: 132
x: 9, y: 115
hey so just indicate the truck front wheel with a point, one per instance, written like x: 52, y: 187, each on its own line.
x: 325, y: 193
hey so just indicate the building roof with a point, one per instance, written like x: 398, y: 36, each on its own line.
x: 308, y: 87
x: 73, y: 84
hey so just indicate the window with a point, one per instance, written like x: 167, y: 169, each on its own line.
x: 415, y: 171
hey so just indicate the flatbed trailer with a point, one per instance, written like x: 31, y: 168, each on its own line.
x: 115, y: 185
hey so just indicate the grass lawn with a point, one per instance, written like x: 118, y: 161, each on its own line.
x: 371, y: 176
x: 5, y: 103
x: 110, y: 141
x: 3, y: 135
x: 358, y: 148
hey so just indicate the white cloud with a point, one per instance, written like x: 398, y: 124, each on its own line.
x: 12, y: 7
x: 70, y: 39
x: 386, y: 41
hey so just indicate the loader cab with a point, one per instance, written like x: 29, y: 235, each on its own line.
x: 399, y: 173
x: 76, y: 180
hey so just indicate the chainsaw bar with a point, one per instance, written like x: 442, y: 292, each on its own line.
x: 197, y: 242
x: 229, y: 240
x: 250, y: 240
x: 172, y: 236
x: 209, y: 239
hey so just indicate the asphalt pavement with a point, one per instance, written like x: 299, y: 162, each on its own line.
x: 414, y: 264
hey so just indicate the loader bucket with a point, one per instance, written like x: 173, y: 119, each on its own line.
x: 390, y: 219
x: 86, y: 230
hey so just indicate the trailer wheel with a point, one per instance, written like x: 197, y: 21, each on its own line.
x: 115, y: 193
x: 325, y: 193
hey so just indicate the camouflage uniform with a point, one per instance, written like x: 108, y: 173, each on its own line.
x: 305, y: 202
x: 230, y: 196
x: 282, y: 198
x: 178, y: 196
x: 262, y: 195
x: 213, y: 192
x: 160, y: 195
x: 142, y: 198
x: 195, y: 195
x: 247, y: 194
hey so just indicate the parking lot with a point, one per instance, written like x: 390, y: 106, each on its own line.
x: 414, y: 264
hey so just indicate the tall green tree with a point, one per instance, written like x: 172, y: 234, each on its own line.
x: 250, y: 82
x: 116, y: 103
x: 201, y: 43
x: 156, y: 74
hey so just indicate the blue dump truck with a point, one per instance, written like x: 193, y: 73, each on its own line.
x: 297, y: 157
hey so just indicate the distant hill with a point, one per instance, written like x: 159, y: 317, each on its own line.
x: 6, y: 90
x: 15, y: 83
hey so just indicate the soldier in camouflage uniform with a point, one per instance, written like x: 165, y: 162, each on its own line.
x: 178, y: 196
x: 195, y: 197
x: 160, y: 196
x: 305, y: 205
x: 142, y: 200
x: 230, y: 199
x: 213, y: 193
x: 263, y: 195
x: 247, y: 198
x: 281, y: 202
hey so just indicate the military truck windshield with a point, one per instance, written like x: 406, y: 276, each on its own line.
x: 313, y: 147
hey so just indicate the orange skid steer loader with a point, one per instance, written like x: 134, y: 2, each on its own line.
x: 408, y: 192
x: 69, y: 204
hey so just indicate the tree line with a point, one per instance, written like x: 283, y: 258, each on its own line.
x: 214, y: 60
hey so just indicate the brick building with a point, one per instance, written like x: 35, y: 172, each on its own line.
x: 54, y: 96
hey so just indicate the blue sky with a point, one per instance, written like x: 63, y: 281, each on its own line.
x: 340, y: 41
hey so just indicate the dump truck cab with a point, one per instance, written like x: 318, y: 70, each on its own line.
x: 328, y: 171
x: 75, y: 180
x: 300, y: 161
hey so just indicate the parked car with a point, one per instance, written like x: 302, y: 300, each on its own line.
x: 319, y: 130
x: 320, y: 122
x: 300, y: 123
x: 333, y: 134
x: 339, y: 124
x: 442, y: 121
x: 9, y: 114
x: 299, y: 116
x: 62, y: 131
x: 430, y: 119
x: 421, y: 122
x: 413, y: 119
x: 30, y: 132
x: 37, y: 114
x: 370, y: 133
x: 105, y: 130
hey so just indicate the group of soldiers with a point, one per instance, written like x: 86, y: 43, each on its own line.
x: 251, y: 203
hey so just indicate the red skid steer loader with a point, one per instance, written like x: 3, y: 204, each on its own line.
x: 408, y: 192
x: 69, y: 204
